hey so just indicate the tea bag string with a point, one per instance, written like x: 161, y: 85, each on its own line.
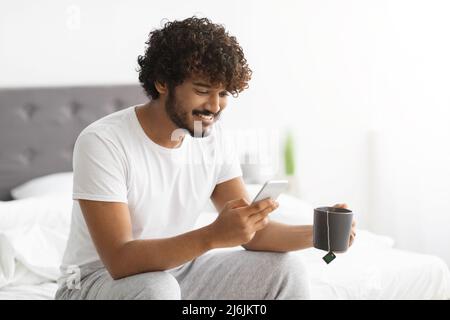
x: 330, y: 255
x: 328, y: 231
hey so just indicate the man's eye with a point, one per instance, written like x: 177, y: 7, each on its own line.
x: 224, y: 94
x: 202, y: 92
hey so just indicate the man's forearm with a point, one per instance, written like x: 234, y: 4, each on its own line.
x: 138, y: 256
x: 281, y: 237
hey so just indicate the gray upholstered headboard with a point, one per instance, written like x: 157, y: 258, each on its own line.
x: 39, y: 126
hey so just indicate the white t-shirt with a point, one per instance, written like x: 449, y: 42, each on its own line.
x: 165, y: 188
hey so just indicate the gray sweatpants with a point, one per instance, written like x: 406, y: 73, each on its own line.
x: 234, y: 275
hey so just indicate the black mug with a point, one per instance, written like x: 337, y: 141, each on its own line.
x: 332, y: 229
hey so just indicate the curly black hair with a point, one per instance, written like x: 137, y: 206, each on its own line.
x: 193, y: 47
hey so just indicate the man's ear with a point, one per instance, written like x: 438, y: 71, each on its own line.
x: 161, y: 87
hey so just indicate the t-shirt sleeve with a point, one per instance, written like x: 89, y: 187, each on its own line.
x: 230, y: 166
x: 99, y: 169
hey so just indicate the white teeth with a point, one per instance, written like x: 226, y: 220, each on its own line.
x: 205, y: 117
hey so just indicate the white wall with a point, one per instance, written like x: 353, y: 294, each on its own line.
x: 410, y: 119
x: 364, y: 84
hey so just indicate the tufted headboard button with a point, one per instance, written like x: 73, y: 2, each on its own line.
x: 27, y: 156
x: 71, y: 110
x: 75, y: 108
x: 29, y: 110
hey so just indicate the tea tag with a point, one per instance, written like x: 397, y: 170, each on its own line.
x: 329, y: 257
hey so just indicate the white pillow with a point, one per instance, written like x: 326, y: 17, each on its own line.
x: 56, y: 183
x: 33, y: 235
x: 51, y: 211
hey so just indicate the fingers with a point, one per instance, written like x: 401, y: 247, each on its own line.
x: 352, y: 239
x: 261, y: 224
x: 262, y: 205
x: 254, y: 218
x: 259, y: 206
x: 237, y: 203
x: 341, y: 205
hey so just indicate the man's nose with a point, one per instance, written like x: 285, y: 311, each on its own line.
x: 213, y: 105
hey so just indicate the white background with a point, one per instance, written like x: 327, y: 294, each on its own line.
x: 363, y: 84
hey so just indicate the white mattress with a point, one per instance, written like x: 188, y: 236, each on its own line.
x: 371, y: 269
x: 384, y: 273
x: 44, y: 291
x: 361, y: 273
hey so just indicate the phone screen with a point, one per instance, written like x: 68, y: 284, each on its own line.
x: 271, y: 189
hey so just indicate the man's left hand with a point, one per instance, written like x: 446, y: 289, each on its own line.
x: 353, y: 232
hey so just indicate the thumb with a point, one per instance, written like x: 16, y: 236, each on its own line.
x: 341, y: 205
x: 237, y: 203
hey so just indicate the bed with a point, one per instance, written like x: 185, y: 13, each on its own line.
x: 38, y: 127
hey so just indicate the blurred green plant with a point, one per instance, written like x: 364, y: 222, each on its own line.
x: 289, y: 155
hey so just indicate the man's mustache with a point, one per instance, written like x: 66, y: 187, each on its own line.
x: 206, y: 113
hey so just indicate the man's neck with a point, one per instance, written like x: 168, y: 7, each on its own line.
x: 156, y: 124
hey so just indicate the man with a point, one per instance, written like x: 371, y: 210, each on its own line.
x: 139, y: 194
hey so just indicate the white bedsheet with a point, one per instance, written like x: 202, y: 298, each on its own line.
x: 364, y: 272
x: 371, y: 269
x: 43, y: 291
x: 383, y: 273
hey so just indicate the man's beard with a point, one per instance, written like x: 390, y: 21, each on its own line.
x: 181, y: 118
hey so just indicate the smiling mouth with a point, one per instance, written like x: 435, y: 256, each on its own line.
x: 205, y: 117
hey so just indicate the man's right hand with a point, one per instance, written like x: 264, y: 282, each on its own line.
x: 239, y: 221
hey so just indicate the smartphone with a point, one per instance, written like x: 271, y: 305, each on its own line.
x: 271, y: 189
